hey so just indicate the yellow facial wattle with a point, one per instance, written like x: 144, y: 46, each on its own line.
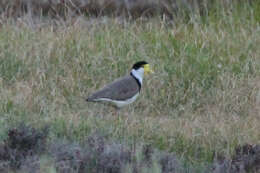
x: 147, y: 69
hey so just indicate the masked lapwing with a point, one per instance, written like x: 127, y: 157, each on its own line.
x: 125, y: 90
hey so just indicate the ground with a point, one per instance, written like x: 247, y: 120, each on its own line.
x: 202, y: 100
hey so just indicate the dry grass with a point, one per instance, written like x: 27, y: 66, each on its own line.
x: 136, y: 8
x: 27, y: 150
x: 203, y: 98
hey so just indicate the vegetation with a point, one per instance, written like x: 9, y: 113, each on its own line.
x: 202, y: 101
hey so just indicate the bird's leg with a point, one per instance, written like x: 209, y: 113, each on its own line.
x: 116, y: 111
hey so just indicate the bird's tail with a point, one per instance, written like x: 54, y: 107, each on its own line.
x: 89, y: 99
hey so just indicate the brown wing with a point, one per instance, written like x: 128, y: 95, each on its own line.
x: 121, y: 89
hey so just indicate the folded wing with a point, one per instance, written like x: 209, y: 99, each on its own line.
x: 121, y: 89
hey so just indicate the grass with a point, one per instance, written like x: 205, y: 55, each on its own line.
x: 202, y: 99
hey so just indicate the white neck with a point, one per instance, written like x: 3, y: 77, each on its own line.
x: 138, y: 74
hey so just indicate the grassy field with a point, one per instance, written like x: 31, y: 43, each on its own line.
x: 203, y: 98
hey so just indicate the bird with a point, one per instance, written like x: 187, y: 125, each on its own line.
x: 125, y: 90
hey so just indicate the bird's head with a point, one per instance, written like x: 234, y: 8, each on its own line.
x: 142, y: 66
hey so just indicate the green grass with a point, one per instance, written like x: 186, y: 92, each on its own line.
x: 202, y: 97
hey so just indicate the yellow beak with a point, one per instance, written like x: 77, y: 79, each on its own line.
x: 147, y: 69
